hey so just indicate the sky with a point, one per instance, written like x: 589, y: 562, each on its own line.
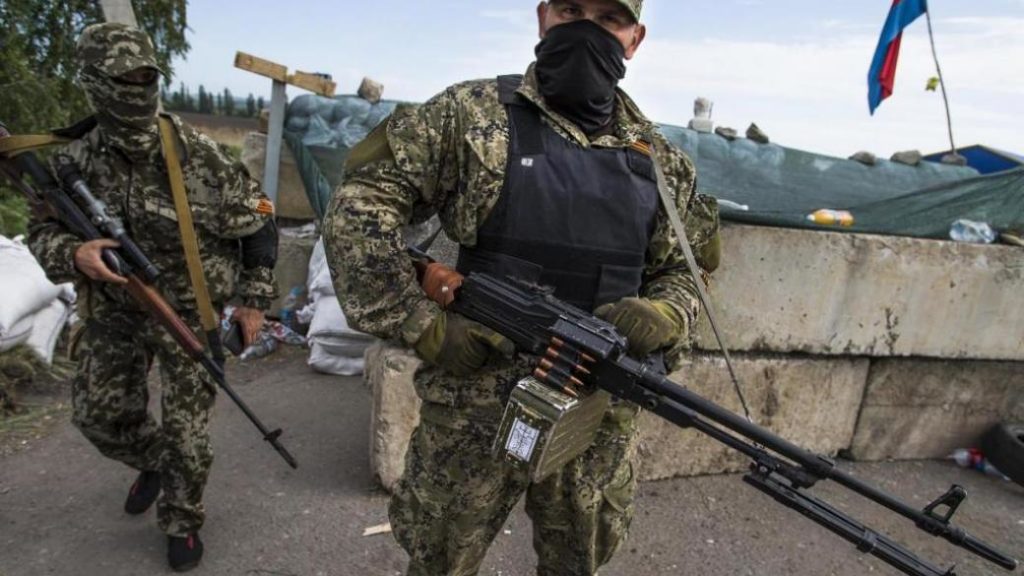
x: 798, y: 68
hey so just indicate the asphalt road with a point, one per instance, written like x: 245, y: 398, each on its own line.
x: 60, y: 505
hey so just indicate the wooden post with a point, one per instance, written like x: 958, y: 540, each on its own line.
x: 318, y: 83
x: 119, y: 11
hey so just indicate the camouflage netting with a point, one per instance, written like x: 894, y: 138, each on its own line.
x: 764, y: 184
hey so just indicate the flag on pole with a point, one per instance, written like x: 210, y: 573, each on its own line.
x: 882, y: 76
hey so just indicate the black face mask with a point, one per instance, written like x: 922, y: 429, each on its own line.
x: 579, y: 64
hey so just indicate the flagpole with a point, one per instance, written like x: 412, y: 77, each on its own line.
x: 942, y: 82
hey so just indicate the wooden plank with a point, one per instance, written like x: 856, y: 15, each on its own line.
x: 257, y: 65
x: 317, y: 83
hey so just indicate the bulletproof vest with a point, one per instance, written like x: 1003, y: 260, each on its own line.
x: 576, y: 219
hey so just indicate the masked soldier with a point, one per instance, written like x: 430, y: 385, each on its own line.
x: 123, y: 163
x: 550, y: 177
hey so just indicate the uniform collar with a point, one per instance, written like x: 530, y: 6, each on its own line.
x: 629, y: 123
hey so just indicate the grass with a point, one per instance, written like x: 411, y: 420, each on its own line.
x: 30, y: 396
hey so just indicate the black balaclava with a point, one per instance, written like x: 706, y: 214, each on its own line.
x: 579, y: 64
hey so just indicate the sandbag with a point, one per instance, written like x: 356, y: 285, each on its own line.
x: 335, y: 348
x: 323, y: 359
x: 19, y: 333
x: 47, y: 326
x: 23, y: 284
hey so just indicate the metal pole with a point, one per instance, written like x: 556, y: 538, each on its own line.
x: 942, y: 82
x: 275, y: 134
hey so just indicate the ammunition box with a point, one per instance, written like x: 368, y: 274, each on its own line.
x: 544, y: 428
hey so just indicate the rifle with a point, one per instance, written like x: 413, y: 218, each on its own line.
x: 571, y: 346
x: 86, y: 217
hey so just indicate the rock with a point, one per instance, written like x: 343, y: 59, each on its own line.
x: 864, y: 157
x: 954, y: 160
x: 757, y: 135
x: 729, y: 134
x: 701, y: 125
x: 702, y: 116
x: 371, y: 90
x: 908, y: 157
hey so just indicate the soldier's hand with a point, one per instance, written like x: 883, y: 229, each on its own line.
x: 460, y: 345
x: 648, y: 325
x: 251, y: 321
x: 89, y: 261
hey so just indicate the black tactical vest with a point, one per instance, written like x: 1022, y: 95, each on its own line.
x: 573, y: 218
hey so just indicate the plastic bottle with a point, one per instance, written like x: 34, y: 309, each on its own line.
x: 973, y: 458
x: 827, y: 217
x: 264, y: 345
x: 970, y: 231
x: 288, y: 306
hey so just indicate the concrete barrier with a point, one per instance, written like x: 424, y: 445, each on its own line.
x: 928, y: 408
x: 812, y: 402
x: 784, y: 290
x: 833, y: 334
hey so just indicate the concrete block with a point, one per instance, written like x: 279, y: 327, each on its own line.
x: 917, y: 409
x: 811, y: 402
x: 395, y: 408
x: 292, y: 201
x: 785, y: 290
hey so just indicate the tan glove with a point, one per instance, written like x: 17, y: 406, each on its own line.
x: 459, y: 345
x: 648, y: 325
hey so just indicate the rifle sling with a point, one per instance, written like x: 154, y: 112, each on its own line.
x: 705, y: 300
x: 186, y: 226
x: 13, y: 145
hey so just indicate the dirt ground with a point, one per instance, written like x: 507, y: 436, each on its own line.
x: 60, y: 505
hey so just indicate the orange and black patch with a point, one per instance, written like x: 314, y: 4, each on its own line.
x: 265, y: 206
x: 642, y: 147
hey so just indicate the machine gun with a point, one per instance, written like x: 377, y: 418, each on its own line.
x: 86, y: 217
x: 573, y: 347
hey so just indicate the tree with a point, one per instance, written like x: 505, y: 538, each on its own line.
x: 250, y: 106
x: 229, y: 103
x: 37, y: 78
x: 205, y: 104
x: 220, y: 104
x: 260, y: 104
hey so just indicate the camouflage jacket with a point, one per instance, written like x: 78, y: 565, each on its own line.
x: 225, y: 204
x: 448, y: 157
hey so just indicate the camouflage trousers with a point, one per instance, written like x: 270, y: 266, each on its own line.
x: 455, y: 496
x: 110, y: 397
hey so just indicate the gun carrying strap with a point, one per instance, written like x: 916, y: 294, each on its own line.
x: 705, y: 300
x: 186, y: 226
x: 12, y: 145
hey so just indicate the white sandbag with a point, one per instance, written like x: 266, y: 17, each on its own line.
x: 47, y: 327
x: 343, y: 345
x: 323, y: 360
x: 17, y: 334
x: 318, y: 281
x: 23, y: 284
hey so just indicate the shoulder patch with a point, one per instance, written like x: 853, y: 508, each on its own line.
x: 264, y: 206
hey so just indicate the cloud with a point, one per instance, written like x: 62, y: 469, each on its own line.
x: 812, y: 93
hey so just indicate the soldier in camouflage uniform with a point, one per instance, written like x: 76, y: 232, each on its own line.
x: 548, y: 177
x: 122, y: 162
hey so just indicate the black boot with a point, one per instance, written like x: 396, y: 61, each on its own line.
x: 184, y: 553
x: 143, y: 493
